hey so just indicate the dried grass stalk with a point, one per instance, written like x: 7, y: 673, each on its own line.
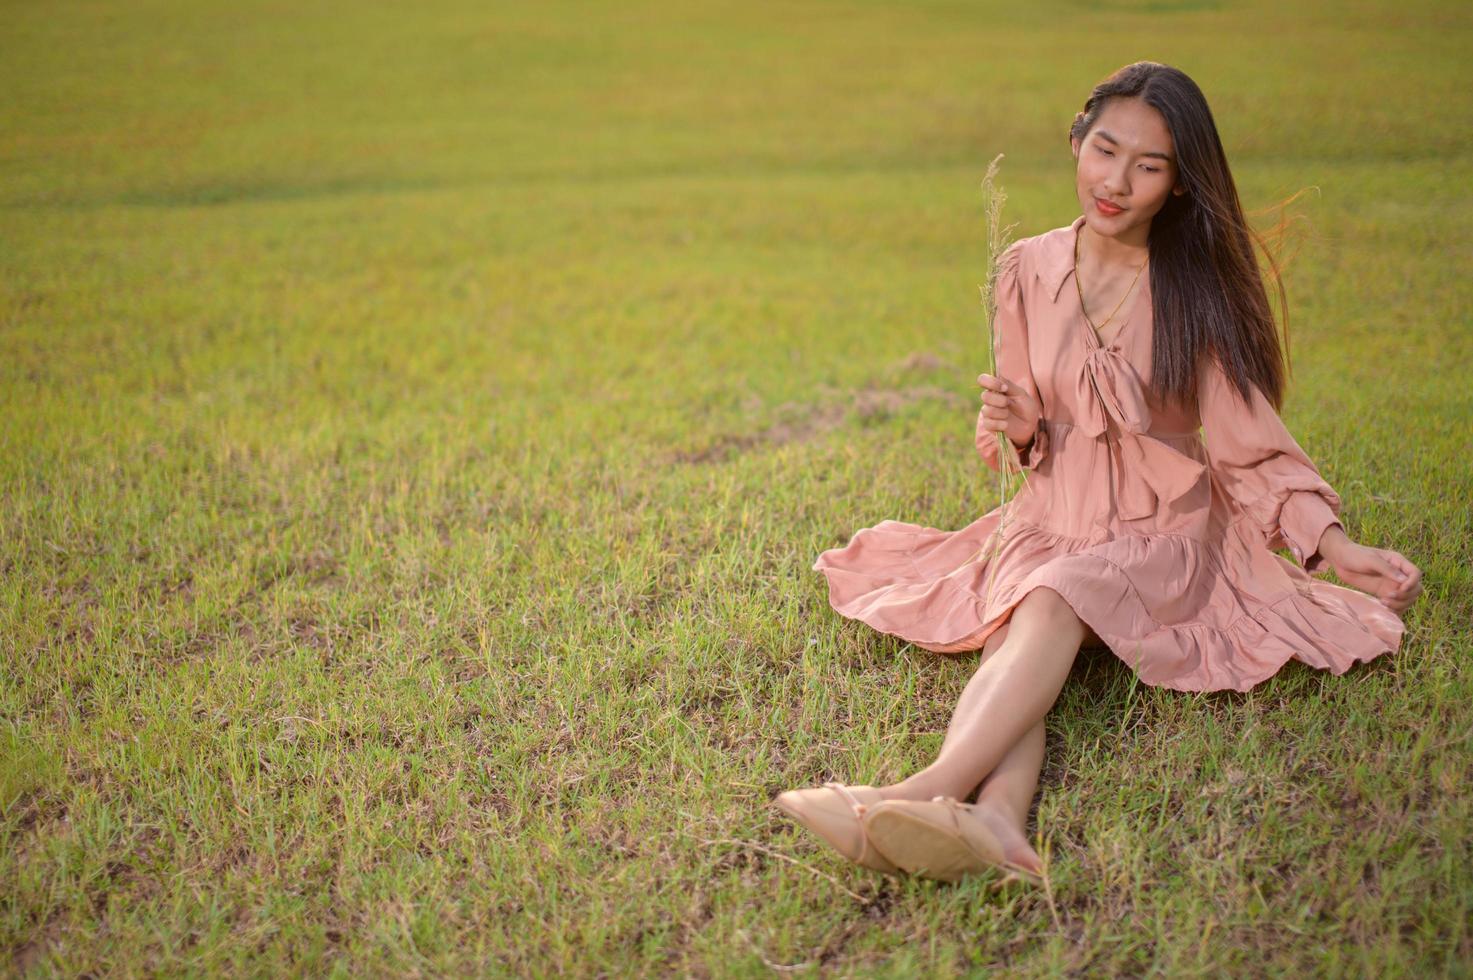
x: 1010, y: 473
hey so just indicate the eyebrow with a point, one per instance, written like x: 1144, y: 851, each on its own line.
x: 1105, y: 135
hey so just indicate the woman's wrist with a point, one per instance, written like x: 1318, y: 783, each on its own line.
x: 1031, y: 439
x: 1333, y: 542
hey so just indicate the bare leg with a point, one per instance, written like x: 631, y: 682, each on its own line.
x: 1006, y: 795
x: 1010, y: 787
x: 1015, y: 780
x: 1015, y: 687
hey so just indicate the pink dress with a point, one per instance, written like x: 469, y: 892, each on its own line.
x: 1164, y: 547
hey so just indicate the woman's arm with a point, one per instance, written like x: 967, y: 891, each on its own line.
x: 1274, y: 481
x: 1385, y: 574
x: 1262, y: 468
x: 1010, y: 343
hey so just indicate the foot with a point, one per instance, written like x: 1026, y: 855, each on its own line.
x: 832, y: 812
x: 1009, y: 834
x: 933, y: 839
x: 1009, y: 830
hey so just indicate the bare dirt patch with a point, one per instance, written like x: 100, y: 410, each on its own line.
x: 802, y: 422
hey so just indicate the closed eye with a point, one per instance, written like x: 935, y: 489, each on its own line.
x: 1149, y: 170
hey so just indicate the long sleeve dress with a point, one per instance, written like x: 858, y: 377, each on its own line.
x: 1162, y: 545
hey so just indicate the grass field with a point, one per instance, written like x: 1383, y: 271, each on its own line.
x: 419, y: 422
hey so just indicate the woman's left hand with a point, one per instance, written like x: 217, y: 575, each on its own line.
x: 1383, y: 573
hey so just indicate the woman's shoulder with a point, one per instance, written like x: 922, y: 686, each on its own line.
x: 1008, y: 262
x: 1030, y: 251
x: 1044, y: 256
x: 1051, y: 245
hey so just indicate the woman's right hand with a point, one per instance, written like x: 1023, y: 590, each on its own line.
x: 1009, y: 409
x: 1383, y: 573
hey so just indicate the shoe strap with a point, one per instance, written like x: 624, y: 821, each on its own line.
x: 952, y: 806
x: 845, y: 792
x: 867, y: 850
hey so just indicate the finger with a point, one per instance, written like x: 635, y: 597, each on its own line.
x: 1410, y: 589
x: 1387, y: 571
x: 997, y: 384
x: 1400, y: 567
x: 992, y: 398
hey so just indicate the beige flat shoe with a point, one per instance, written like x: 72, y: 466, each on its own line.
x: 939, y: 839
x: 832, y: 812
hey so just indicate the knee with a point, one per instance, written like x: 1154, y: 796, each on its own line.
x: 1049, y: 605
x: 1045, y: 608
x: 993, y: 641
x: 1046, y: 599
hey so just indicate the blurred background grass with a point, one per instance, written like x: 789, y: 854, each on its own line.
x: 419, y: 422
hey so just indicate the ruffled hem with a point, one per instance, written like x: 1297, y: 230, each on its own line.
x: 1182, y: 613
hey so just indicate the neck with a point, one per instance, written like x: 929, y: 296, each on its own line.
x: 1128, y: 251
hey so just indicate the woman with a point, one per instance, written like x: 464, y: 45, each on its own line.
x: 1129, y: 533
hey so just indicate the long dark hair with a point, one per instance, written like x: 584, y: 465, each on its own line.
x: 1207, y: 294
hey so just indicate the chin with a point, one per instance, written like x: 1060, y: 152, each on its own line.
x: 1107, y: 227
x: 1112, y: 227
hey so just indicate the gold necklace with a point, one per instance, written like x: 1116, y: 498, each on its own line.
x: 1081, y: 293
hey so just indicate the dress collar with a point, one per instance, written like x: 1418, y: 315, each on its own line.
x: 1056, y: 257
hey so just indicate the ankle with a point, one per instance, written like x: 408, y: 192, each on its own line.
x: 996, y: 803
x: 922, y: 786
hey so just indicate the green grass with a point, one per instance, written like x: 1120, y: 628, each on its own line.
x: 419, y: 424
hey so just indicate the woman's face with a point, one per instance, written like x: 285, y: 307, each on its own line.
x: 1128, y: 159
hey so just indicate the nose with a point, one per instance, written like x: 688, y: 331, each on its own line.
x: 1116, y: 182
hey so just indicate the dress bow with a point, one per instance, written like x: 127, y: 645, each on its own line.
x: 1144, y: 470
